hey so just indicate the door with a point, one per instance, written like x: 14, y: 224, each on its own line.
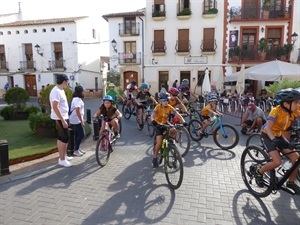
x: 250, y: 9
x: 185, y: 75
x: 163, y: 78
x: 128, y: 77
x: 30, y: 85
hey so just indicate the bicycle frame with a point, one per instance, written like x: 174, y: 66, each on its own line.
x: 217, y: 121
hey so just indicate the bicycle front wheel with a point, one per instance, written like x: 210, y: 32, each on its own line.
x: 194, y: 127
x: 150, y: 127
x: 254, y: 157
x: 183, y: 141
x: 254, y: 139
x: 173, y: 167
x: 126, y: 112
x: 226, y: 138
x: 103, y: 149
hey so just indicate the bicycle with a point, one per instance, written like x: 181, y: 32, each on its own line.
x: 146, y: 113
x: 225, y: 136
x: 173, y: 165
x: 128, y: 110
x: 105, y: 142
x: 254, y: 157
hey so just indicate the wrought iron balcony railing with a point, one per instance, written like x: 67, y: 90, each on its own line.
x: 158, y: 47
x: 56, y: 65
x: 159, y: 10
x: 3, y: 66
x: 183, y: 46
x: 132, y: 29
x: 27, y: 66
x: 208, y: 45
x: 129, y: 58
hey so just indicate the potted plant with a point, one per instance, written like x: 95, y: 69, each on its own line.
x: 262, y: 48
x: 288, y: 48
x: 212, y: 11
x: 185, y: 12
x: 234, y: 53
x: 266, y: 6
x: 158, y: 13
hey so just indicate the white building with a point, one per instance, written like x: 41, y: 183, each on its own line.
x: 33, y: 52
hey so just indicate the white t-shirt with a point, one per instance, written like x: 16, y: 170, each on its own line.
x: 76, y: 103
x: 258, y: 113
x: 59, y: 95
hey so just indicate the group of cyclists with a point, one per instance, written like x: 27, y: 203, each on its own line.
x: 273, y: 132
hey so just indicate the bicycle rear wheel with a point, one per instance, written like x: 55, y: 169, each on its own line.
x: 183, y: 141
x: 194, y: 127
x: 103, y: 149
x: 126, y: 111
x: 173, y: 167
x: 229, y: 139
x: 150, y: 127
x: 254, y: 157
x: 254, y: 139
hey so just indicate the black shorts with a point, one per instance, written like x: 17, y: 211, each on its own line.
x: 62, y: 133
x: 205, y: 117
x: 159, y: 130
x: 269, y: 145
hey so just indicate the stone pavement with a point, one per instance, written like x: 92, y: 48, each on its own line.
x: 128, y: 191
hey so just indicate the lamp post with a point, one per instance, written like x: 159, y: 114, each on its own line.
x: 294, y: 37
x: 37, y: 48
x: 114, y: 45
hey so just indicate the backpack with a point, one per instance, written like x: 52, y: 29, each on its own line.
x: 70, y: 111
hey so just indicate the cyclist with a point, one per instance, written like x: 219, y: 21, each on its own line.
x: 175, y: 102
x: 130, y: 89
x: 113, y: 93
x: 141, y: 100
x: 160, y: 115
x: 109, y: 111
x: 207, y: 111
x: 184, y: 91
x: 278, y: 121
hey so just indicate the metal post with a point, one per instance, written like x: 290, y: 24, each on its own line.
x: 71, y: 143
x: 96, y: 129
x: 4, y: 162
x: 88, y: 116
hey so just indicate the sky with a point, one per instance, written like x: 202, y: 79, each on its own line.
x: 45, y: 9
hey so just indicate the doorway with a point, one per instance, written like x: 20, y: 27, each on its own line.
x: 30, y: 85
x: 163, y: 78
x: 185, y: 75
x: 128, y: 77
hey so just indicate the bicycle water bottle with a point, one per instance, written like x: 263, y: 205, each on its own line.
x: 285, y: 166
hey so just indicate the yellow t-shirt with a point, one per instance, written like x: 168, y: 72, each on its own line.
x: 162, y: 113
x: 205, y: 110
x: 174, y: 102
x: 281, y: 121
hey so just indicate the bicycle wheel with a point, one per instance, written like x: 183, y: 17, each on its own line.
x: 103, y: 149
x: 150, y: 127
x: 254, y: 157
x: 173, y: 167
x: 194, y: 127
x: 183, y: 141
x: 126, y: 112
x: 254, y: 139
x: 194, y: 114
x: 120, y: 126
x: 226, y: 138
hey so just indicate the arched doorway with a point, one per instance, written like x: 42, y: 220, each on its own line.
x: 128, y: 77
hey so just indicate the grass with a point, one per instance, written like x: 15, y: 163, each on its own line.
x: 22, y: 141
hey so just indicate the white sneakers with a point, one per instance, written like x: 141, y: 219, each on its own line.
x: 69, y: 158
x: 78, y: 153
x: 64, y: 163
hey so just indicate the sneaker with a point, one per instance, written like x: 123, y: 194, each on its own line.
x: 81, y: 151
x: 141, y: 126
x: 118, y: 136
x: 259, y: 178
x: 154, y: 163
x: 69, y: 158
x: 77, y: 153
x: 64, y: 163
x: 294, y: 187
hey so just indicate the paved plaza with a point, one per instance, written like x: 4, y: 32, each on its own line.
x: 129, y: 191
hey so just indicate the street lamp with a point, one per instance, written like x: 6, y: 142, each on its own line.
x: 294, y: 37
x: 114, y: 45
x: 37, y: 48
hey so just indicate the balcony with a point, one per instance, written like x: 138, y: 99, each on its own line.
x: 158, y: 12
x: 27, y: 66
x: 3, y: 66
x: 183, y: 47
x: 184, y: 14
x: 208, y: 46
x: 251, y: 53
x: 209, y: 11
x: 158, y: 47
x: 57, y: 65
x: 255, y: 13
x: 129, y: 58
x: 130, y: 29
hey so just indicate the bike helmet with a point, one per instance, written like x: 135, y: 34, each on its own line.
x: 213, y: 99
x: 287, y: 95
x: 79, y: 89
x: 133, y: 82
x: 173, y: 91
x: 163, y: 96
x: 108, y: 98
x: 111, y: 85
x: 144, y: 86
x: 185, y: 81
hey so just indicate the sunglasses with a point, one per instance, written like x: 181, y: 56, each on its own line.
x: 164, y: 100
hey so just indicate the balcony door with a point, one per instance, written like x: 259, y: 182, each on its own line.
x: 249, y: 43
x: 183, y: 40
x: 159, y: 41
x: 250, y: 9
x: 130, y: 52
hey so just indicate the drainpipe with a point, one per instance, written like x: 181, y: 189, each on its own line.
x: 143, y: 64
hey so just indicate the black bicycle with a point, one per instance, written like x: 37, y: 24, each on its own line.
x: 129, y: 109
x: 254, y: 157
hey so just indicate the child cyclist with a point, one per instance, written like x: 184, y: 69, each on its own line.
x: 278, y: 121
x: 113, y: 93
x: 207, y: 111
x: 160, y: 115
x: 175, y: 102
x: 141, y: 100
x: 109, y: 111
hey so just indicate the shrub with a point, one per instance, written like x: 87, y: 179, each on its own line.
x: 40, y: 120
x: 7, y: 112
x: 17, y: 96
x: 212, y: 11
x: 285, y: 83
x: 184, y: 12
x: 31, y: 109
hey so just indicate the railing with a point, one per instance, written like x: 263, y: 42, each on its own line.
x: 254, y: 13
x: 159, y: 10
x: 158, y: 47
x: 183, y: 46
x: 27, y: 65
x: 132, y: 29
x: 129, y: 58
x: 3, y: 65
x: 208, y: 45
x: 208, y: 8
x: 57, y: 65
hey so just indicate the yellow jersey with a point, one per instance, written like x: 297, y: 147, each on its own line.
x: 205, y: 110
x: 174, y: 102
x: 162, y: 113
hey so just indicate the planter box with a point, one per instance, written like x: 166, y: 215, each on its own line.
x: 44, y: 132
x: 20, y: 116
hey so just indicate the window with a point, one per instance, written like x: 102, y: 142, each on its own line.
x: 1, y: 33
x: 159, y: 7
x: 94, y: 33
x: 209, y: 4
x: 249, y: 43
x: 34, y: 31
x: 62, y: 29
x: 130, y: 51
x: 44, y: 30
x: 184, y: 4
x: 183, y: 44
x: 52, y: 29
x: 25, y: 31
x: 159, y: 41
x: 130, y: 25
x: 9, y: 32
x: 58, y: 54
x: 17, y: 32
x: 2, y: 57
x: 208, y: 40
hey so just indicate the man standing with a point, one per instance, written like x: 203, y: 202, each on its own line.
x: 253, y: 117
x: 59, y: 113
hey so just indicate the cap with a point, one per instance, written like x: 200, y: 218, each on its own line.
x: 251, y: 106
x: 61, y: 78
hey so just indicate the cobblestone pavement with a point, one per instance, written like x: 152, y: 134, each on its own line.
x: 128, y: 191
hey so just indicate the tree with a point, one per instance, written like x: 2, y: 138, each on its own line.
x: 113, y: 76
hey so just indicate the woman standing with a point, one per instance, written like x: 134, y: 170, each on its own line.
x: 76, y: 118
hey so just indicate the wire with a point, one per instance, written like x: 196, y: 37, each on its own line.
x: 89, y: 43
